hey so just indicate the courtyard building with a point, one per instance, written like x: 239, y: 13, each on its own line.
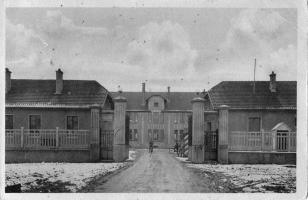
x: 158, y: 116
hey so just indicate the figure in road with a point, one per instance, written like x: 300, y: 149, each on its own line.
x: 151, y: 146
x: 176, y: 148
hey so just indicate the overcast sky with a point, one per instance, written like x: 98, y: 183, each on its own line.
x: 186, y: 48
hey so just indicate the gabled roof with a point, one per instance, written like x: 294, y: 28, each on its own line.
x: 176, y: 100
x: 281, y: 126
x: 41, y: 93
x: 239, y: 95
x: 149, y: 95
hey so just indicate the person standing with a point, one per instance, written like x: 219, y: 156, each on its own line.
x: 151, y: 146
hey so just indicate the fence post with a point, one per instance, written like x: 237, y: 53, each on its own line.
x: 289, y: 138
x: 262, y: 140
x: 95, y: 133
x: 274, y: 134
x: 120, y: 147
x: 22, y: 137
x: 197, y: 154
x: 223, y: 131
x: 57, y: 136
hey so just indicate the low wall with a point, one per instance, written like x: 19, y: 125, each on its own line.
x: 31, y: 156
x: 241, y: 157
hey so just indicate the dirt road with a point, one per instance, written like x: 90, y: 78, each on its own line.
x: 159, y: 172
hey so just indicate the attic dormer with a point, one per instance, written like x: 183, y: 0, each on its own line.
x: 156, y: 103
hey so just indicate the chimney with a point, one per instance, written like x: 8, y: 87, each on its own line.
x: 143, y: 93
x: 143, y: 87
x: 7, y: 80
x: 273, y: 84
x: 59, y: 81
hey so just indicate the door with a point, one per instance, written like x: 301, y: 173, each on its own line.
x: 210, y: 145
x: 106, y: 137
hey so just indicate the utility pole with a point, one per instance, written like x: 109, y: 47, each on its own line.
x: 254, y: 76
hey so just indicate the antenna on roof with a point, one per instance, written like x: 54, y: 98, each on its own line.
x: 254, y: 76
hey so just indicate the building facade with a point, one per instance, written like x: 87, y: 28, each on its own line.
x: 61, y: 120
x: 256, y: 120
x: 158, y: 116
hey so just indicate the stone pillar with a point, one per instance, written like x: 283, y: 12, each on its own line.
x: 223, y: 129
x: 120, y: 149
x: 95, y: 135
x: 197, y: 149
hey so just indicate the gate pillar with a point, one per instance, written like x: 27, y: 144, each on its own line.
x: 94, y: 137
x: 120, y: 148
x: 223, y: 129
x: 197, y: 148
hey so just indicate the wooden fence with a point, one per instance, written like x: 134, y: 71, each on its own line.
x: 262, y: 141
x: 46, y: 139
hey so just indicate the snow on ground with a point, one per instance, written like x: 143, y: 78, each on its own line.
x: 182, y: 159
x: 132, y: 155
x: 253, y: 178
x: 74, y: 175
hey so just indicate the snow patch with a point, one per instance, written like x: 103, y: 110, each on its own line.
x: 132, y: 155
x: 183, y: 159
x: 77, y: 174
x: 255, y: 178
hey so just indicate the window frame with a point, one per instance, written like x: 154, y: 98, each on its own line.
x: 133, y: 134
x: 156, y: 133
x: 66, y: 117
x: 130, y: 135
x: 12, y: 121
x: 155, y: 104
x: 40, y: 121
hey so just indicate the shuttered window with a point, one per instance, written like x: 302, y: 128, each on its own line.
x: 34, y: 122
x: 8, y: 121
x: 72, y: 123
x: 133, y: 134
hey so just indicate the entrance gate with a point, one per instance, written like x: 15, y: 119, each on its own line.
x: 106, y: 137
x: 106, y: 145
x: 210, y: 145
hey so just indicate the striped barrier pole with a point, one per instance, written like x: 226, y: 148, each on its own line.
x: 186, y: 145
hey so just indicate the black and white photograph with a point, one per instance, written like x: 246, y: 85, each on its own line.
x: 154, y: 98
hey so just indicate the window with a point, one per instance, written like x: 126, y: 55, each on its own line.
x: 254, y: 124
x: 133, y: 134
x: 136, y: 134
x: 8, y: 121
x: 282, y: 140
x: 155, y: 134
x: 150, y: 134
x: 72, y: 123
x: 156, y: 104
x: 34, y: 122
